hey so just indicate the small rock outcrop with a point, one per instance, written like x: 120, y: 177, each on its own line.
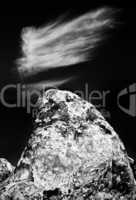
x: 6, y: 169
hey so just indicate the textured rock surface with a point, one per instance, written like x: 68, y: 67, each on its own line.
x: 72, y: 154
x: 6, y: 169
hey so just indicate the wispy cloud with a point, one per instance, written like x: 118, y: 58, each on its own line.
x: 61, y: 44
x: 42, y: 85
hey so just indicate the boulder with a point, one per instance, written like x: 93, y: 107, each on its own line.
x: 72, y: 154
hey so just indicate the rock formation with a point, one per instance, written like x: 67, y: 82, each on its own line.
x: 72, y: 154
x: 6, y: 169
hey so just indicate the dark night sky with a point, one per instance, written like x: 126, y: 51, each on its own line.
x: 112, y: 68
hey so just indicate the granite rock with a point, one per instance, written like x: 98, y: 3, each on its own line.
x: 72, y: 154
x: 6, y: 169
